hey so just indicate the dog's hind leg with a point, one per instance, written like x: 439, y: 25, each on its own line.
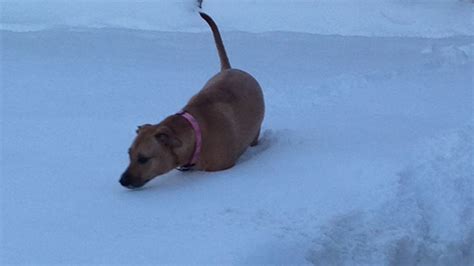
x: 255, y: 140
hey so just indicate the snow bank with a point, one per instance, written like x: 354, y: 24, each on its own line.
x: 429, y: 221
x: 440, y: 18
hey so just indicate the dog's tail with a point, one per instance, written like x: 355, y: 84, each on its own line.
x: 217, y: 38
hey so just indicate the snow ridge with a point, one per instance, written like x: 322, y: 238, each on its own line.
x: 396, y: 18
x: 430, y: 220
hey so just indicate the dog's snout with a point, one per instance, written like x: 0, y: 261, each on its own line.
x: 128, y: 181
x: 125, y: 180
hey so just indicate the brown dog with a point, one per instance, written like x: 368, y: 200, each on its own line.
x: 214, y: 129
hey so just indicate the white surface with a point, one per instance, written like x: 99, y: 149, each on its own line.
x: 428, y: 221
x: 436, y: 18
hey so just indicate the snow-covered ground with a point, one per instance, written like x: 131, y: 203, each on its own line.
x: 416, y: 18
x: 365, y: 158
x: 428, y: 221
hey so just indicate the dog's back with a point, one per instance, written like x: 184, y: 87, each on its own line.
x: 230, y: 109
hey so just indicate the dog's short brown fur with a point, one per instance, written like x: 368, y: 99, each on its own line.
x: 229, y: 110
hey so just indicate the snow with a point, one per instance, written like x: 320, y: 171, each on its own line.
x: 416, y: 18
x: 365, y: 156
x: 429, y: 220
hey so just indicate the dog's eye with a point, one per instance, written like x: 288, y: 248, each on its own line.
x: 142, y: 160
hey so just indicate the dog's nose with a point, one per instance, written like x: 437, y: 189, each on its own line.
x: 124, y: 181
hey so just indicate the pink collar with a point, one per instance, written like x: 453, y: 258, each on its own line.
x: 197, y: 136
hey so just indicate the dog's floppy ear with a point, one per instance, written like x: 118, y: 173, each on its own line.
x: 167, y: 138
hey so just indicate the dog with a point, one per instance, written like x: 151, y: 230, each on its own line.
x: 210, y: 133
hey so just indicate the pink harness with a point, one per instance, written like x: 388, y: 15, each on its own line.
x: 197, y: 136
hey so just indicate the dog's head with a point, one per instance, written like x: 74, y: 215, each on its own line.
x: 152, y: 153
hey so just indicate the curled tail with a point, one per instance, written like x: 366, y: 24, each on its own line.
x: 217, y: 38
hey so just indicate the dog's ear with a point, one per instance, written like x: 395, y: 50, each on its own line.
x: 168, y: 140
x: 140, y: 127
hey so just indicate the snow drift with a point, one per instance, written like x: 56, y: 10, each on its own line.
x: 429, y: 221
x: 439, y: 18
